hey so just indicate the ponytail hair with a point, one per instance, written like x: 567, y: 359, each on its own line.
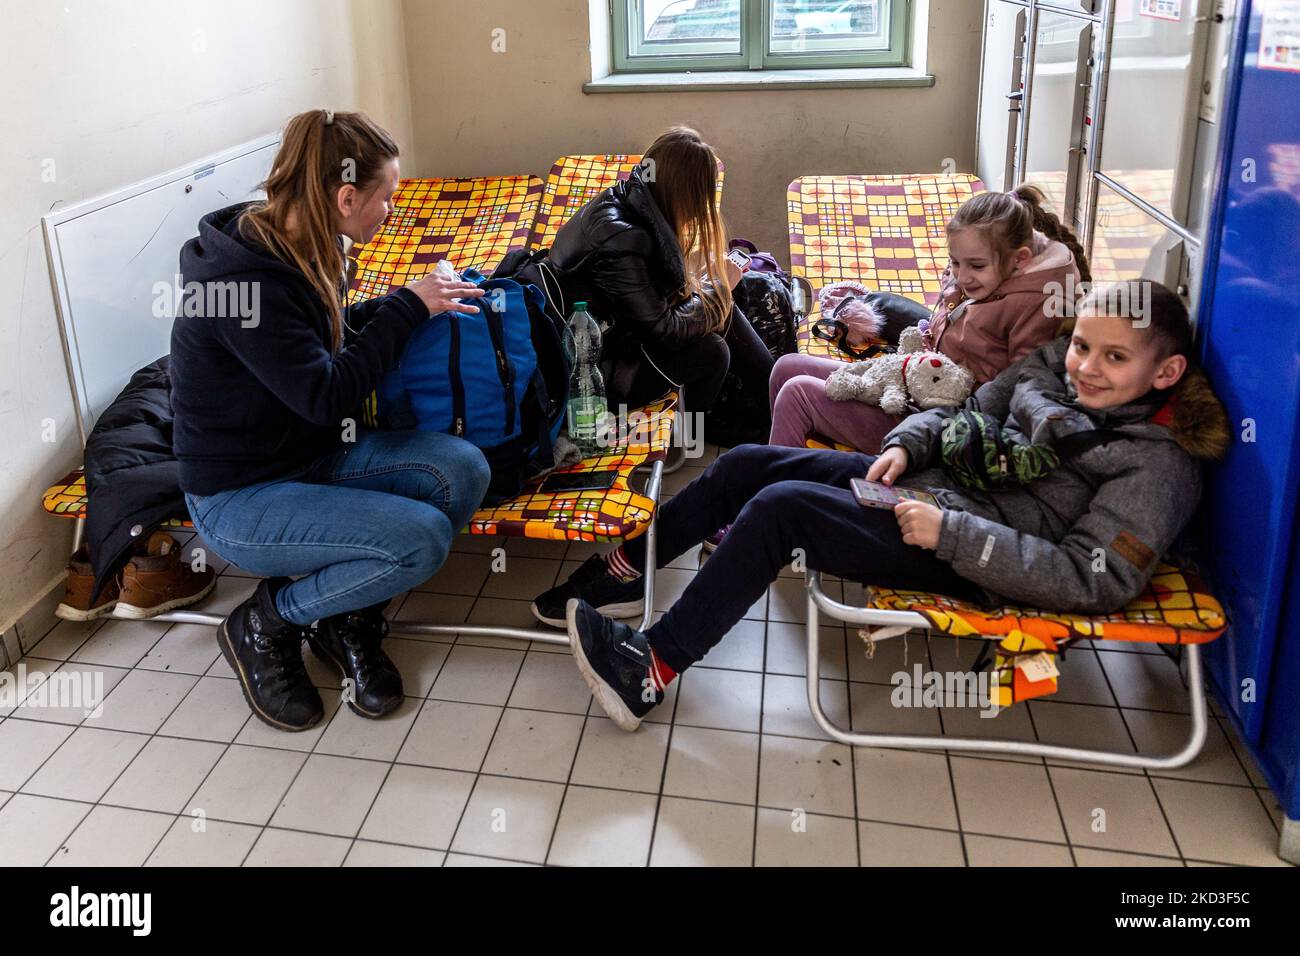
x: 320, y: 152
x: 1010, y: 219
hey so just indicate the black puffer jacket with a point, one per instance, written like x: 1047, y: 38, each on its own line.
x: 620, y: 255
x: 132, y: 477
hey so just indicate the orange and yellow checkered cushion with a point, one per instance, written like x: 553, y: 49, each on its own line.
x: 590, y: 515
x: 469, y: 222
x: 887, y: 232
x: 1176, y: 607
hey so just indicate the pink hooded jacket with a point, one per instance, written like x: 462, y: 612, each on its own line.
x: 989, y: 335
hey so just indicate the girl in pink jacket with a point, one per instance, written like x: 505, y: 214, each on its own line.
x: 1009, y: 256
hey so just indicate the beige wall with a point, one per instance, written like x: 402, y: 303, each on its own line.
x: 102, y: 94
x: 482, y: 113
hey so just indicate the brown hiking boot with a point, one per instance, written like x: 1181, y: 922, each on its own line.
x: 158, y: 581
x: 76, y: 604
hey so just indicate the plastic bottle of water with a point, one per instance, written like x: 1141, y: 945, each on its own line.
x: 587, y: 407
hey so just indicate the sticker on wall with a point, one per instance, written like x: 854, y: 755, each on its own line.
x: 1161, y: 9
x: 1279, y: 37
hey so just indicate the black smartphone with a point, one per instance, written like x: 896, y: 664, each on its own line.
x: 578, y: 481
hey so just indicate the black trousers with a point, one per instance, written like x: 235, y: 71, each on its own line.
x: 776, y: 500
x: 701, y: 365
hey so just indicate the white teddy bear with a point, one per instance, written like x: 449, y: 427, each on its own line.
x: 911, y: 376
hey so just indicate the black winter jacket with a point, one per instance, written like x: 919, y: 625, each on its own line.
x: 257, y: 397
x: 131, y: 473
x: 620, y: 255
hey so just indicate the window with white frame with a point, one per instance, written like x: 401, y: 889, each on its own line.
x: 682, y: 35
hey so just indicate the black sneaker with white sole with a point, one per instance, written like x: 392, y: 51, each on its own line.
x: 592, y: 583
x: 615, y: 662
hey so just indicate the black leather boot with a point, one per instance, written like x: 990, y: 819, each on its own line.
x: 266, y: 653
x: 351, y: 642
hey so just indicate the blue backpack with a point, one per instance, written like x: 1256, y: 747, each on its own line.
x: 498, y: 379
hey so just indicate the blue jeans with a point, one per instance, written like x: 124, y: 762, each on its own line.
x: 359, y: 525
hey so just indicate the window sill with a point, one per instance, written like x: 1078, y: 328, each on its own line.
x: 710, y: 82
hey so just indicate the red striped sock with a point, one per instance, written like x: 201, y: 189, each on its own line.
x: 660, y: 673
x: 617, y: 564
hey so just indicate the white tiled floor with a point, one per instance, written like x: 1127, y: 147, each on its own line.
x: 499, y: 756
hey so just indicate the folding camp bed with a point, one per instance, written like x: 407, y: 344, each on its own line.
x: 888, y: 233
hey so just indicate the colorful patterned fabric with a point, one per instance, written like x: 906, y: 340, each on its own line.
x: 1176, y: 607
x: 564, y: 516
x: 887, y: 232
x: 67, y: 499
x: 576, y: 180
x: 470, y: 222
x: 590, y: 515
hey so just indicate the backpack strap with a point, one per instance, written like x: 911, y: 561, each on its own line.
x: 1076, y: 444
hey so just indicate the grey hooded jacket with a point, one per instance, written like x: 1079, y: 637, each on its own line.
x: 1087, y: 536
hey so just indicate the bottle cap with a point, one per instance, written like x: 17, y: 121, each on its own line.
x: 580, y: 305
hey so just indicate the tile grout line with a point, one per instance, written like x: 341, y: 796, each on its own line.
x: 505, y: 705
x: 82, y: 723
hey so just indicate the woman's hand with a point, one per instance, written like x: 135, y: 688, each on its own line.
x: 889, y: 465
x: 920, y: 523
x: 734, y: 273
x: 439, y: 293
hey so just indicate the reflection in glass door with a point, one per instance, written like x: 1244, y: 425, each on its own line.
x: 1058, y: 94
x: 1151, y: 97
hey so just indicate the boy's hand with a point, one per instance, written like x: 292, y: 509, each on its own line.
x: 889, y: 465
x: 920, y: 523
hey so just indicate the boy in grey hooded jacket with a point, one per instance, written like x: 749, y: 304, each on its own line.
x: 1085, y: 537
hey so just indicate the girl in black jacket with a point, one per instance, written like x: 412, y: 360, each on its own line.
x: 649, y: 256
x: 269, y: 372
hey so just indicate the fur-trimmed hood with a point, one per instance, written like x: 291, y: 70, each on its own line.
x: 1199, y: 423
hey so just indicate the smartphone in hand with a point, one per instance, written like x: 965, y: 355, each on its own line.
x: 877, y: 494
x: 739, y: 258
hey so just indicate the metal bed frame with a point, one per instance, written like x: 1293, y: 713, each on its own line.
x: 896, y: 623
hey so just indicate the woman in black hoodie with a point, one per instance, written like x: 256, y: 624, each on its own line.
x: 649, y: 256
x: 269, y: 372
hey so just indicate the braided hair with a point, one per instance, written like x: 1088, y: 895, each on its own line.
x: 1011, y: 219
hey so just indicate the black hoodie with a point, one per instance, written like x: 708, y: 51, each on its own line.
x: 256, y: 392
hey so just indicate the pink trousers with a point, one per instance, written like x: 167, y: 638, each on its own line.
x: 797, y: 393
